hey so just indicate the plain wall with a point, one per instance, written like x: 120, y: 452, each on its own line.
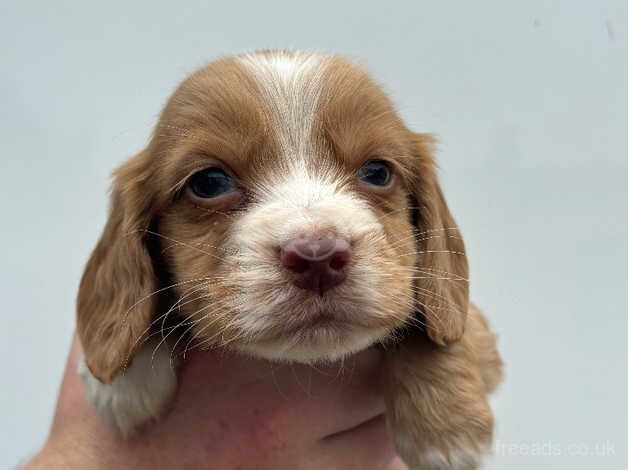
x: 529, y: 99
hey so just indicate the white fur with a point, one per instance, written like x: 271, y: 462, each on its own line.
x: 137, y: 394
x: 434, y: 459
x: 291, y: 83
x: 459, y: 460
x: 458, y: 457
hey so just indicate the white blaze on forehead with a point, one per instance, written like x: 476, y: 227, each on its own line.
x: 291, y: 84
x: 303, y: 190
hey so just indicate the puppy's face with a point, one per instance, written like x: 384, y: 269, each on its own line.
x: 294, y: 214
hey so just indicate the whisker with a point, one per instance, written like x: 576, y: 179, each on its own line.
x: 178, y: 242
x: 192, y: 324
x: 461, y: 253
x: 164, y: 338
x: 163, y: 289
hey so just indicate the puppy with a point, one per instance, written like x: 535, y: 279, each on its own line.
x: 283, y: 209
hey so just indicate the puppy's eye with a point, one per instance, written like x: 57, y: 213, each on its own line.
x: 210, y: 183
x: 375, y: 172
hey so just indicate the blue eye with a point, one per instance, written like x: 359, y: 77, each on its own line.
x: 210, y: 183
x: 375, y: 172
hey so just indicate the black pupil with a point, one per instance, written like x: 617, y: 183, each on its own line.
x: 210, y: 183
x: 376, y: 173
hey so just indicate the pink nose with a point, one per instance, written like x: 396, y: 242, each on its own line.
x: 316, y: 262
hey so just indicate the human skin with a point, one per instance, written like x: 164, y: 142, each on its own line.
x: 237, y: 413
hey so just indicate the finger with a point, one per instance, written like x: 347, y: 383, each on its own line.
x: 366, y: 447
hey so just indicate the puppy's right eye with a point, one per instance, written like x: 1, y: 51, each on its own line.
x: 210, y: 183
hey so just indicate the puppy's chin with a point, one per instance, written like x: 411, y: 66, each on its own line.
x: 327, y: 342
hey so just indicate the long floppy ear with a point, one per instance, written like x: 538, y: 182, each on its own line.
x: 114, y: 304
x: 442, y: 290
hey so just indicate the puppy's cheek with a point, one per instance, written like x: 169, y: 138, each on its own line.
x: 393, y: 284
x: 213, y: 320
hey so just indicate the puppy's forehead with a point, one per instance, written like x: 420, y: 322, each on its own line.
x: 290, y: 84
x: 278, y: 116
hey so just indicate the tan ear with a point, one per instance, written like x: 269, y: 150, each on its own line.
x: 114, y: 304
x: 442, y: 289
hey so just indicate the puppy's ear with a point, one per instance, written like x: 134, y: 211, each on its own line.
x: 442, y: 290
x: 114, y: 304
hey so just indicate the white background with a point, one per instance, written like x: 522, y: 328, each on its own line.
x: 530, y: 100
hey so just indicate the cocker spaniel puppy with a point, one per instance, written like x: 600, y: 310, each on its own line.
x: 282, y: 209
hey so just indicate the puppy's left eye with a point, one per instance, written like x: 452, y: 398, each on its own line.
x: 211, y: 182
x: 376, y: 172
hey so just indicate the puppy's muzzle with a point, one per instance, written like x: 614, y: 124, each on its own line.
x: 316, y: 261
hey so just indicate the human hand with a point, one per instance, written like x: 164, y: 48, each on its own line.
x: 233, y: 412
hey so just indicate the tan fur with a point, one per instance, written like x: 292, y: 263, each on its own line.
x: 293, y: 130
x: 118, y: 274
x: 437, y: 397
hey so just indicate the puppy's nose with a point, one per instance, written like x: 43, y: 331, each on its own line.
x: 316, y: 262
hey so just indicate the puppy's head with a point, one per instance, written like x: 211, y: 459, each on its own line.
x: 291, y: 211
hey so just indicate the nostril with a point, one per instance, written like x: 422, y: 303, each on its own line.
x: 339, y: 260
x: 293, y: 262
